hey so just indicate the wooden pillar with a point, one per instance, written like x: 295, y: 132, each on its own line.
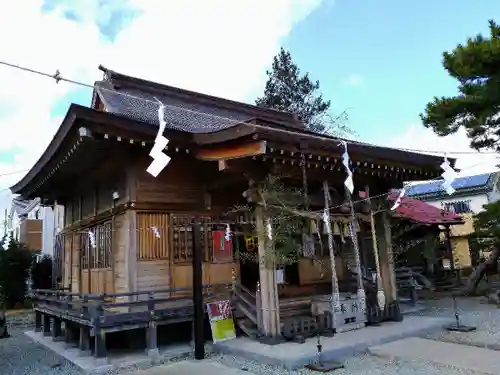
x: 387, y: 272
x: 84, y: 339
x: 69, y: 334
x: 56, y: 329
x: 268, y: 285
x: 46, y: 325
x: 131, y: 253
x: 38, y: 321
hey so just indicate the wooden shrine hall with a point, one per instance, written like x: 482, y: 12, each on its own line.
x: 124, y: 254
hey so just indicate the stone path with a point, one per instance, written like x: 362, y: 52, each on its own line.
x: 462, y: 356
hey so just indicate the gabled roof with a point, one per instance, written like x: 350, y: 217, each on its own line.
x: 198, y: 120
x: 185, y: 110
x: 204, y: 115
x: 421, y: 212
x: 463, y: 185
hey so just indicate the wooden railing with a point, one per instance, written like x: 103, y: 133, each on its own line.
x: 104, y: 310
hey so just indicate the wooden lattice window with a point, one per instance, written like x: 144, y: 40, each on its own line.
x: 100, y: 255
x: 153, y: 236
x: 182, y: 238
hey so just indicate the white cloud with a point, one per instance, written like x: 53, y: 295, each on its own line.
x: 355, y: 80
x: 417, y: 137
x: 219, y: 47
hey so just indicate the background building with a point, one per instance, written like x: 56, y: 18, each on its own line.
x: 472, y: 193
x: 34, y: 224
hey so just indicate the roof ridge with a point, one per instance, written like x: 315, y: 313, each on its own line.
x: 275, y: 115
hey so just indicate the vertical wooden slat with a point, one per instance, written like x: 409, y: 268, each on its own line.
x: 149, y: 246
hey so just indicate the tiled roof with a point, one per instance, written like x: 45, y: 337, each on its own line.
x: 461, y: 184
x: 194, y: 120
x: 421, y: 212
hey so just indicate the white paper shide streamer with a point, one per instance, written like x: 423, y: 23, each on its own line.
x: 6, y: 243
x: 156, y: 232
x: 92, y: 239
x: 397, y: 202
x: 449, y: 175
x: 349, y: 183
x: 160, y: 159
x: 269, y: 228
x: 227, y: 236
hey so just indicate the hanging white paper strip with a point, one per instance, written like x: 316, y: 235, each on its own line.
x: 269, y: 230
x: 158, y: 164
x: 6, y: 243
x: 161, y: 118
x: 160, y: 160
x: 326, y: 220
x: 349, y: 183
x: 397, y: 203
x: 92, y: 239
x: 449, y: 175
x: 156, y: 232
x: 227, y: 236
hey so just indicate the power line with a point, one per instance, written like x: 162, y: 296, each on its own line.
x: 14, y: 172
x: 58, y: 78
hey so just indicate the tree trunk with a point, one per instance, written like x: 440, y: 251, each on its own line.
x: 480, y: 271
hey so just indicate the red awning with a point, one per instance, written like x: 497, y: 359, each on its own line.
x: 421, y: 212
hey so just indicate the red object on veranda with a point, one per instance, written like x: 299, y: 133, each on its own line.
x: 223, y: 250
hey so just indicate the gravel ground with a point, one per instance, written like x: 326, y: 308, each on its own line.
x: 473, y: 312
x: 21, y: 356
x: 361, y: 365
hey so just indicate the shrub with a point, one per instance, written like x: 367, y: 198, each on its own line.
x: 15, y: 263
x: 41, y: 273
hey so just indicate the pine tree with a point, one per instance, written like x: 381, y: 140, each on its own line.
x: 476, y: 108
x: 287, y: 89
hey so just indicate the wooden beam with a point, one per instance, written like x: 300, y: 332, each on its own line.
x: 232, y: 152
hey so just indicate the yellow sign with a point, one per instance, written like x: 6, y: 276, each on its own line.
x: 221, y: 321
x: 251, y: 242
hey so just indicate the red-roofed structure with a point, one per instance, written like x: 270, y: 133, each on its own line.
x: 421, y: 212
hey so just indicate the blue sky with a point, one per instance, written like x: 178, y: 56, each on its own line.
x: 395, y: 47
x: 380, y: 60
x: 390, y: 49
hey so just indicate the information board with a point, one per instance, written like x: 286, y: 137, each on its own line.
x: 221, y: 320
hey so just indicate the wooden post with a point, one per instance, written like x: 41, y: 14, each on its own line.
x: 335, y: 282
x: 380, y: 287
x: 258, y: 308
x: 387, y: 267
x: 46, y: 325
x: 198, y: 310
x: 100, y: 334
x: 268, y: 286
x: 152, y: 330
x: 38, y: 321
x: 68, y: 333
x: 354, y: 238
x: 56, y: 329
x: 84, y: 341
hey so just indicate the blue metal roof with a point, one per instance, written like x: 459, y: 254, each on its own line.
x: 461, y: 184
